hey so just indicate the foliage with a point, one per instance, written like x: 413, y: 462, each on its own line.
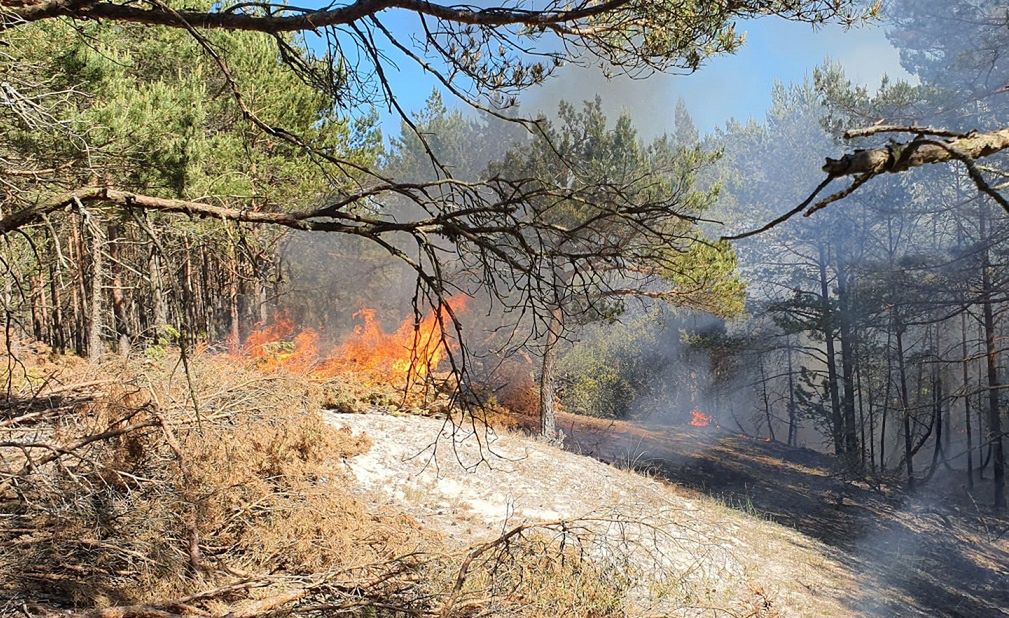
x: 604, y: 166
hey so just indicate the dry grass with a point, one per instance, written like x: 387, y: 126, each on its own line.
x: 162, y: 502
x: 148, y: 490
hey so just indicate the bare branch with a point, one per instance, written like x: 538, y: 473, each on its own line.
x: 895, y: 158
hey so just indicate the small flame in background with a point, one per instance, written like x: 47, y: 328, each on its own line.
x: 699, y: 419
x: 408, y: 353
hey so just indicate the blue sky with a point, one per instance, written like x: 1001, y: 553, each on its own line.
x: 737, y: 86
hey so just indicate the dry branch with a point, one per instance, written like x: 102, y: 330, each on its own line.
x: 895, y: 158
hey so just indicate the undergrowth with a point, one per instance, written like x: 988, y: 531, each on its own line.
x: 210, y: 488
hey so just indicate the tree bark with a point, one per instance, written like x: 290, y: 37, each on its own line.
x: 905, y: 404
x: 119, y: 312
x: 792, y: 427
x: 991, y: 356
x: 895, y: 158
x: 847, y: 341
x: 871, y: 440
x: 767, y: 401
x: 548, y: 411
x: 234, y: 337
x: 96, y: 304
x: 55, y: 283
x: 861, y: 415
x: 966, y: 400
x: 827, y: 327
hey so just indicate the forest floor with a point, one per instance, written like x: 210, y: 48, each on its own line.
x: 933, y: 552
x: 625, y: 520
x: 757, y: 524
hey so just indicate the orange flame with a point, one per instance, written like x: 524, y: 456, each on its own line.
x: 699, y: 419
x: 411, y: 352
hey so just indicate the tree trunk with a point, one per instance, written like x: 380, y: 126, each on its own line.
x: 871, y: 440
x: 767, y: 401
x: 905, y: 404
x: 991, y: 355
x: 79, y: 288
x: 548, y: 411
x: 984, y: 458
x: 937, y: 452
x: 208, y: 315
x: 861, y: 416
x: 827, y: 327
x: 847, y: 341
x: 188, y: 303
x: 118, y: 297
x: 792, y: 426
x: 97, y: 275
x: 234, y: 336
x: 55, y: 283
x: 966, y: 401
x: 156, y: 272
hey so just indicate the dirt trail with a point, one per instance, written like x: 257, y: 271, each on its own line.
x: 914, y: 555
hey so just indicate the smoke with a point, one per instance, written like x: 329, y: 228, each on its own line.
x: 646, y: 101
x: 728, y: 87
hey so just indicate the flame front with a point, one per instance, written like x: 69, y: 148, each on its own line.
x: 699, y: 419
x: 409, y: 353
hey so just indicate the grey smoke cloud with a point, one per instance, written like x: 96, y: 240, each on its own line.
x: 729, y: 87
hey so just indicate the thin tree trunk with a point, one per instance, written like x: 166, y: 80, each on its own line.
x: 206, y: 296
x: 991, y: 354
x: 966, y: 401
x: 55, y: 283
x: 767, y: 401
x: 828, y: 335
x: 937, y: 452
x: 548, y: 411
x: 156, y: 268
x: 792, y: 426
x: 97, y: 275
x: 994, y: 437
x: 982, y: 394
x: 872, y: 425
x: 188, y: 300
x: 234, y: 338
x: 847, y: 340
x: 158, y: 291
x: 861, y: 415
x: 79, y: 288
x: 905, y: 404
x: 119, y: 312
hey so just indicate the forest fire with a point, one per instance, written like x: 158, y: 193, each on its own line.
x: 699, y: 419
x: 409, y: 353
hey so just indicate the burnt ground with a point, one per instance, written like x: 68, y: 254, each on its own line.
x: 933, y: 552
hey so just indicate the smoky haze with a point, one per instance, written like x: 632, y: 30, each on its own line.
x: 728, y: 87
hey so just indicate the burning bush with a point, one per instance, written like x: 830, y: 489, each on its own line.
x: 699, y: 419
x: 408, y: 354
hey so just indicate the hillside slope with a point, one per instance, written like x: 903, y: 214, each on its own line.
x: 746, y: 527
x: 928, y: 553
x: 473, y: 485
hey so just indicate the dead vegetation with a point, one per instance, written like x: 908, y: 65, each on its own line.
x: 211, y: 488
x: 125, y: 496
